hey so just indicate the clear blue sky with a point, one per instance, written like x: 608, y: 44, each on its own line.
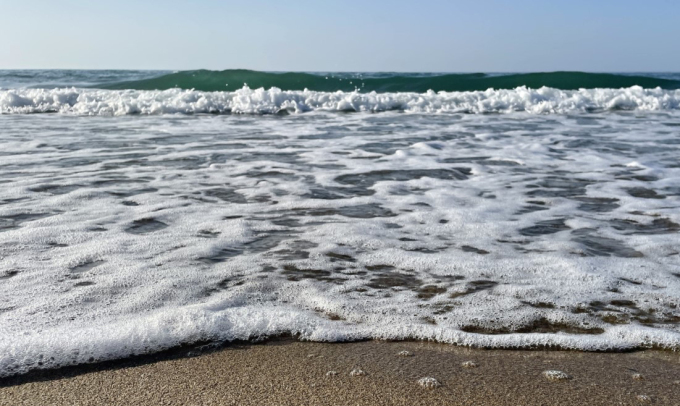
x: 349, y: 35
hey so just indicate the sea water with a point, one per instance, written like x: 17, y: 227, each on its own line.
x: 133, y: 220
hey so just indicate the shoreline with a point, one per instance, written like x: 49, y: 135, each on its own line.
x: 286, y: 371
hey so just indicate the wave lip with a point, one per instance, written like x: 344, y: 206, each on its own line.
x: 96, y: 102
x: 206, y: 80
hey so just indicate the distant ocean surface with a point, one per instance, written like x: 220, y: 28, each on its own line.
x: 144, y: 210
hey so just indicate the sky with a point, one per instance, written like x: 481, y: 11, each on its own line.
x: 348, y: 35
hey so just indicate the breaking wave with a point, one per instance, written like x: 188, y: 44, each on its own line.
x: 78, y: 101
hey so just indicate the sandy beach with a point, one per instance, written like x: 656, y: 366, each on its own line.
x: 297, y: 373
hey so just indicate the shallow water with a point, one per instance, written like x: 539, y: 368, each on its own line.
x: 131, y: 234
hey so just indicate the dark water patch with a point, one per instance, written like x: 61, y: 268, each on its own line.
x: 630, y: 281
x: 6, y: 309
x: 368, y: 179
x: 559, y: 187
x: 593, y: 245
x: 425, y: 250
x: 132, y: 192
x: 55, y: 189
x: 540, y: 305
x: 597, y: 204
x: 335, y: 257
x: 379, y: 268
x: 97, y: 229
x: 295, y: 250
x: 657, y: 226
x: 624, y: 311
x: 288, y: 222
x: 208, y: 234
x: 145, y: 226
x: 78, y: 161
x: 403, y: 190
x: 129, y: 203
x: 385, y: 148
x: 465, y: 160
x: 221, y: 256
x: 429, y: 291
x: 541, y: 326
x: 83, y: 283
x: 468, y: 248
x: 394, y: 279
x: 16, y: 220
x: 441, y: 308
x: 8, y: 201
x: 531, y: 209
x: 624, y: 303
x: 291, y: 255
x: 334, y: 316
x: 280, y: 176
x: 282, y: 157
x: 334, y: 193
x: 644, y: 193
x: 261, y: 199
x: 9, y: 274
x: 328, y: 166
x: 520, y: 242
x: 474, y: 287
x: 364, y: 211
x: 641, y: 178
x: 495, y: 162
x: 227, y: 195
x: 428, y: 320
x: 544, y: 228
x: 224, y: 284
x: 324, y: 136
x: 267, y: 242
x: 236, y: 217
x: 118, y: 181
x: 295, y: 274
x: 672, y: 190
x: 84, y: 267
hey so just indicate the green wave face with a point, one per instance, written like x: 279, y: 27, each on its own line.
x: 230, y: 80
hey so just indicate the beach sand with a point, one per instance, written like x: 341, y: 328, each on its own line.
x: 298, y: 373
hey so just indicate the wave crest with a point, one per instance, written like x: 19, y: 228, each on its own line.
x: 544, y: 100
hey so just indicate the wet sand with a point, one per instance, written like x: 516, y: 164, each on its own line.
x: 296, y: 373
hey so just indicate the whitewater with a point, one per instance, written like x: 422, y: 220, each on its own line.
x: 134, y: 220
x: 275, y: 101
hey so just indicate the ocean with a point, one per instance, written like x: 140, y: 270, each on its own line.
x: 145, y: 210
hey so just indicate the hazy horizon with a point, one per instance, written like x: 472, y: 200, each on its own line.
x: 304, y: 36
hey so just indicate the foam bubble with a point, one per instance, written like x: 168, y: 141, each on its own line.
x: 357, y: 372
x: 429, y: 383
x: 554, y: 375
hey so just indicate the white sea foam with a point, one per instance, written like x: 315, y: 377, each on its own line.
x: 261, y: 101
x: 135, y: 234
